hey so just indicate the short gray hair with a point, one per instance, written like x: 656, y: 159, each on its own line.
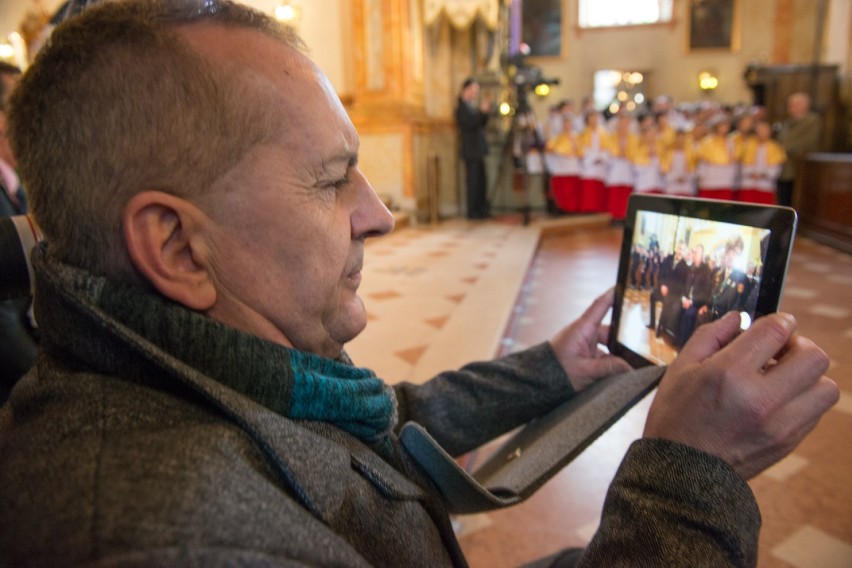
x: 117, y: 103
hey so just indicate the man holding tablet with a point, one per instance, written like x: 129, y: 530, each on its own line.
x: 192, y: 403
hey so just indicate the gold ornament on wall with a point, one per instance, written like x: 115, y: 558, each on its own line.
x: 462, y: 13
x: 707, y: 81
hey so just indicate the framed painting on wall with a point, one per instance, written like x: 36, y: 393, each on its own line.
x: 542, y: 28
x: 713, y: 24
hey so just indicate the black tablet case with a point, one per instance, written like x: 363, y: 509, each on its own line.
x: 537, y: 452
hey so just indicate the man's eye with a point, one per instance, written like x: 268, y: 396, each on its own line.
x: 337, y: 184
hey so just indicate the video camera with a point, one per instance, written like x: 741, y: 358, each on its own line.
x: 526, y: 78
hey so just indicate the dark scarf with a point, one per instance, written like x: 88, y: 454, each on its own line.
x: 293, y: 383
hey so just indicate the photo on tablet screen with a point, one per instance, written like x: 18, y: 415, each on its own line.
x: 687, y: 263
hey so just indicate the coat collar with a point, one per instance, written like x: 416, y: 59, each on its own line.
x: 86, y: 321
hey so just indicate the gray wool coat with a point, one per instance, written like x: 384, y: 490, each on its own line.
x: 113, y: 452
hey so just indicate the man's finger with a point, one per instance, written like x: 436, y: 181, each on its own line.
x: 596, y: 312
x: 798, y: 370
x: 603, y: 334
x: 793, y: 421
x: 763, y: 341
x: 604, y: 366
x: 709, y: 339
x: 787, y: 427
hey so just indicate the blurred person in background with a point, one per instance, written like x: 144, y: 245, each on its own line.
x: 799, y: 134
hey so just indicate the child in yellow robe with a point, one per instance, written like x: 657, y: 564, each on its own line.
x: 562, y: 156
x: 761, y: 165
x: 717, y: 162
x: 646, y: 163
x: 678, y: 166
x: 620, y: 174
x: 595, y: 149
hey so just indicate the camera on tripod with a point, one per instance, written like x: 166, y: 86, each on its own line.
x: 527, y: 78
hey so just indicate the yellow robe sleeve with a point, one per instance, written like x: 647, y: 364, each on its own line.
x: 775, y: 154
x: 714, y: 150
x: 629, y: 149
x: 642, y: 156
x: 668, y: 155
x: 564, y: 145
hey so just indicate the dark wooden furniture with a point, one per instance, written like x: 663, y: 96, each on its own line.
x: 771, y: 85
x: 823, y: 198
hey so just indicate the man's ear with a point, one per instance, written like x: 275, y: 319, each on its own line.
x: 165, y: 240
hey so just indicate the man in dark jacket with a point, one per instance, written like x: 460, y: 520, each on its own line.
x: 670, y: 281
x: 471, y: 118
x: 192, y: 404
x: 696, y: 295
x: 729, y: 284
x: 676, y: 284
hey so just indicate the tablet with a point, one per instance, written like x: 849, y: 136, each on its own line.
x: 687, y: 262
x: 743, y: 249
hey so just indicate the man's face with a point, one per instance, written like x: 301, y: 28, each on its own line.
x: 797, y: 106
x: 679, y: 251
x: 746, y: 124
x: 471, y: 92
x: 730, y: 257
x: 286, y: 246
x: 698, y: 256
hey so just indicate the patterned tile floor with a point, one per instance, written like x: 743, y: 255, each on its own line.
x: 439, y: 297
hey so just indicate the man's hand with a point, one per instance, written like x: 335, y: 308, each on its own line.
x: 748, y: 400
x: 485, y: 103
x: 576, y: 346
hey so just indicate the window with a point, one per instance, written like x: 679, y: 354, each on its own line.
x: 615, y: 89
x: 605, y: 13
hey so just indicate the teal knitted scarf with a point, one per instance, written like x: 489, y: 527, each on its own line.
x: 293, y: 383
x: 349, y: 397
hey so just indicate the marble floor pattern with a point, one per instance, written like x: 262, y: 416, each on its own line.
x: 440, y: 296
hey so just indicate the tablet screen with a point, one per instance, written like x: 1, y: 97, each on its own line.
x: 687, y: 262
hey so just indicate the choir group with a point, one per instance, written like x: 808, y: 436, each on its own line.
x: 706, y: 150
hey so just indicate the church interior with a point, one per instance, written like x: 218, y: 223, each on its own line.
x: 442, y: 290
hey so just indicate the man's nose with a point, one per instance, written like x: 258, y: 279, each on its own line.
x: 370, y: 217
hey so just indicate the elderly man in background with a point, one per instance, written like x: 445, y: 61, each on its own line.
x: 800, y: 133
x: 197, y: 181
